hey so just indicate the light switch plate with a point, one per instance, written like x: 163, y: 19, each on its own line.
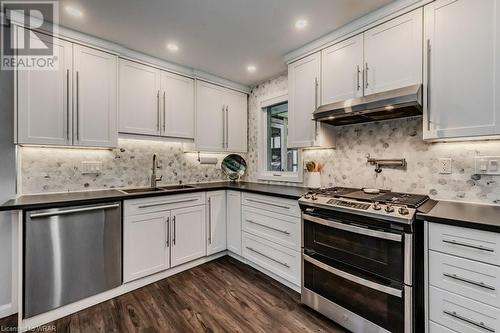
x: 91, y: 167
x: 444, y: 166
x: 487, y: 165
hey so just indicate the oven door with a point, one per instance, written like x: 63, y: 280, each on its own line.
x: 374, y: 250
x: 359, y: 303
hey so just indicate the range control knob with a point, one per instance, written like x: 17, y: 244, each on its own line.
x: 376, y: 206
x: 403, y: 211
x: 314, y: 196
x: 389, y: 209
x: 307, y: 196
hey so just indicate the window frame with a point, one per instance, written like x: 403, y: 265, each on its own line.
x: 263, y: 173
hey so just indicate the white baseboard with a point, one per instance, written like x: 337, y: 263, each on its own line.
x: 7, y: 310
x: 287, y: 283
x: 47, y: 317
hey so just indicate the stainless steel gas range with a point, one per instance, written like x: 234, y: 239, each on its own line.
x: 359, y: 262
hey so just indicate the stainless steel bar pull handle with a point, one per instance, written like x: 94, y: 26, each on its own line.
x: 158, y: 111
x: 269, y: 227
x: 358, y: 85
x: 268, y: 257
x: 316, y: 84
x: 227, y: 127
x: 268, y: 203
x: 67, y: 105
x: 366, y: 75
x: 223, y: 127
x: 167, y: 243
x: 428, y: 84
x: 72, y: 211
x: 481, y: 325
x: 475, y: 283
x: 471, y: 246
x: 77, y: 106
x: 175, y: 233
x: 209, y: 220
x: 164, y: 111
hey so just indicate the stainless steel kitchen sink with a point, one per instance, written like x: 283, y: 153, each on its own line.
x: 176, y: 187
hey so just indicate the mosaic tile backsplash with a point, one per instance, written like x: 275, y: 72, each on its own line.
x: 58, y: 170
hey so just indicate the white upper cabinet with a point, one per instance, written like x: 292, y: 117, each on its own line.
x: 342, y: 71
x: 461, y: 83
x: 221, y: 119
x: 393, y: 53
x: 236, y: 122
x: 73, y: 105
x: 177, y: 100
x: 216, y: 222
x: 139, y: 98
x: 95, y: 98
x: 44, y: 111
x: 304, y: 88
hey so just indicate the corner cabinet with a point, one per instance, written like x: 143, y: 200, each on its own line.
x: 216, y: 222
x: 233, y: 217
x: 221, y: 119
x: 304, y: 95
x: 461, y: 76
x: 155, y: 102
x: 73, y: 105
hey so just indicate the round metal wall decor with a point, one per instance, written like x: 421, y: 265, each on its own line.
x: 234, y: 166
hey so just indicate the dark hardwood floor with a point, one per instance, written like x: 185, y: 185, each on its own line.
x: 221, y: 296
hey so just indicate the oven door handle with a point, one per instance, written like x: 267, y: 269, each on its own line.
x: 354, y: 229
x: 356, y: 279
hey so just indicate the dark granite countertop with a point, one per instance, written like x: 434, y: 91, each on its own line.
x: 40, y: 201
x: 476, y: 216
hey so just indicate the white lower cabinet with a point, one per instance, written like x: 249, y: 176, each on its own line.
x: 216, y: 222
x: 188, y: 234
x: 160, y: 233
x: 233, y: 221
x: 463, y: 279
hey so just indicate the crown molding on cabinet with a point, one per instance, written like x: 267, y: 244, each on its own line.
x: 355, y: 27
x: 123, y: 52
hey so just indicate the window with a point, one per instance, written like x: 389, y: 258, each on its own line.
x: 278, y: 162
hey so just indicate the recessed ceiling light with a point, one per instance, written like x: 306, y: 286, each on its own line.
x: 301, y: 24
x: 73, y: 11
x: 251, y: 68
x: 172, y: 47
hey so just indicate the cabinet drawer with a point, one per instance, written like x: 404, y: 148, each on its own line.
x: 278, y: 228
x: 270, y: 203
x: 471, y: 279
x: 462, y: 314
x: 436, y: 328
x: 163, y: 203
x: 273, y: 257
x: 464, y: 242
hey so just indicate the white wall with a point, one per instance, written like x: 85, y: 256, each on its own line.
x: 7, y: 187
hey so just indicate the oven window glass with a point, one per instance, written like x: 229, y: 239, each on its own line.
x: 384, y: 310
x: 375, y: 255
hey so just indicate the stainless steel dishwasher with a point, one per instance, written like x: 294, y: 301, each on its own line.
x: 70, y: 254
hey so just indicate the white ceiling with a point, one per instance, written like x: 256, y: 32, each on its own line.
x: 220, y: 37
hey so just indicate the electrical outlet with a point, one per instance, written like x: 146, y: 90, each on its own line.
x: 91, y: 167
x: 445, y: 166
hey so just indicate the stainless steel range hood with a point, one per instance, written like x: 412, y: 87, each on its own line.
x: 397, y: 103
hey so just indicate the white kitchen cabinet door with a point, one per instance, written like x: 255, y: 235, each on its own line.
x: 236, y: 121
x: 188, y: 232
x: 461, y: 73
x: 139, y: 101
x: 177, y: 114
x: 303, y: 92
x: 95, y: 97
x: 233, y: 223
x: 210, y: 117
x: 393, y: 53
x: 342, y: 71
x: 216, y: 222
x: 44, y: 111
x: 145, y: 245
